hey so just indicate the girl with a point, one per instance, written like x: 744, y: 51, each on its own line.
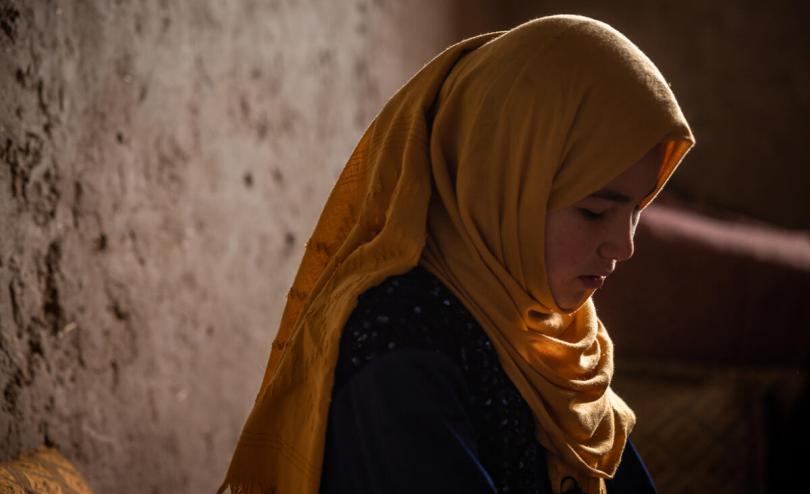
x: 440, y: 335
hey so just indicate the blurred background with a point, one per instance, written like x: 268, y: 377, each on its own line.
x: 163, y: 163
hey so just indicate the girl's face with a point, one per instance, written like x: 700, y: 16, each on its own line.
x: 584, y: 241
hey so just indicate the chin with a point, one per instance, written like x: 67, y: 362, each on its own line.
x: 568, y: 306
x: 571, y: 304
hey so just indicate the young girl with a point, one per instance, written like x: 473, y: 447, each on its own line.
x: 440, y: 335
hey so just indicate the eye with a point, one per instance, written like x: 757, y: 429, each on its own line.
x: 589, y: 214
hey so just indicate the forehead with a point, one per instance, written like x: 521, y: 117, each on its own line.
x: 635, y: 183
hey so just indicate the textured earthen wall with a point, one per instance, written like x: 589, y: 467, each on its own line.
x: 161, y: 165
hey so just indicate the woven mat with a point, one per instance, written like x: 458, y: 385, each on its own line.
x: 703, y: 430
x: 44, y: 471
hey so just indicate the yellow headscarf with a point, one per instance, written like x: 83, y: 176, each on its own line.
x: 457, y: 173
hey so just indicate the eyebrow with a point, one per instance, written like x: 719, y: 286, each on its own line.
x: 616, y: 196
x: 610, y: 195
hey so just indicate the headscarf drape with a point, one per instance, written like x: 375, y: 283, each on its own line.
x: 457, y: 173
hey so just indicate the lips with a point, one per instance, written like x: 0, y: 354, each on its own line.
x: 593, y: 281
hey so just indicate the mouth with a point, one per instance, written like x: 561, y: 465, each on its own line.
x: 592, y: 281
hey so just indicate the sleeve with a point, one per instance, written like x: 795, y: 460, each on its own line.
x: 400, y: 425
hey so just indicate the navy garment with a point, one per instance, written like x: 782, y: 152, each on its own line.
x: 421, y: 404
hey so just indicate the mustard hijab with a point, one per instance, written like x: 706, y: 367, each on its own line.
x: 457, y: 173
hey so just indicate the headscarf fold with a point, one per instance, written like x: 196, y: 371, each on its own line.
x: 457, y: 173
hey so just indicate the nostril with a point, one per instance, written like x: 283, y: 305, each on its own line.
x: 631, y: 249
x: 628, y: 249
x: 619, y: 248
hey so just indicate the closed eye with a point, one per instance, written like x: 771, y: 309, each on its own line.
x: 589, y: 214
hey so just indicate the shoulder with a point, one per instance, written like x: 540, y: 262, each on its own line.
x: 412, y: 310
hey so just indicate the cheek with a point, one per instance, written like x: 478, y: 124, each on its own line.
x: 566, y: 254
x: 568, y: 247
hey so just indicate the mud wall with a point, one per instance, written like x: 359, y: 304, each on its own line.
x: 161, y: 165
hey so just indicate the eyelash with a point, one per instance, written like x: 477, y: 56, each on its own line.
x: 590, y: 215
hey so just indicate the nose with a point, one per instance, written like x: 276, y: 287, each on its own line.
x: 618, y: 242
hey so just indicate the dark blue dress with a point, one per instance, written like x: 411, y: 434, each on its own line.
x: 421, y: 404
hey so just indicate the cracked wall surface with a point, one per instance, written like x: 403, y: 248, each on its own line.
x: 161, y: 165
